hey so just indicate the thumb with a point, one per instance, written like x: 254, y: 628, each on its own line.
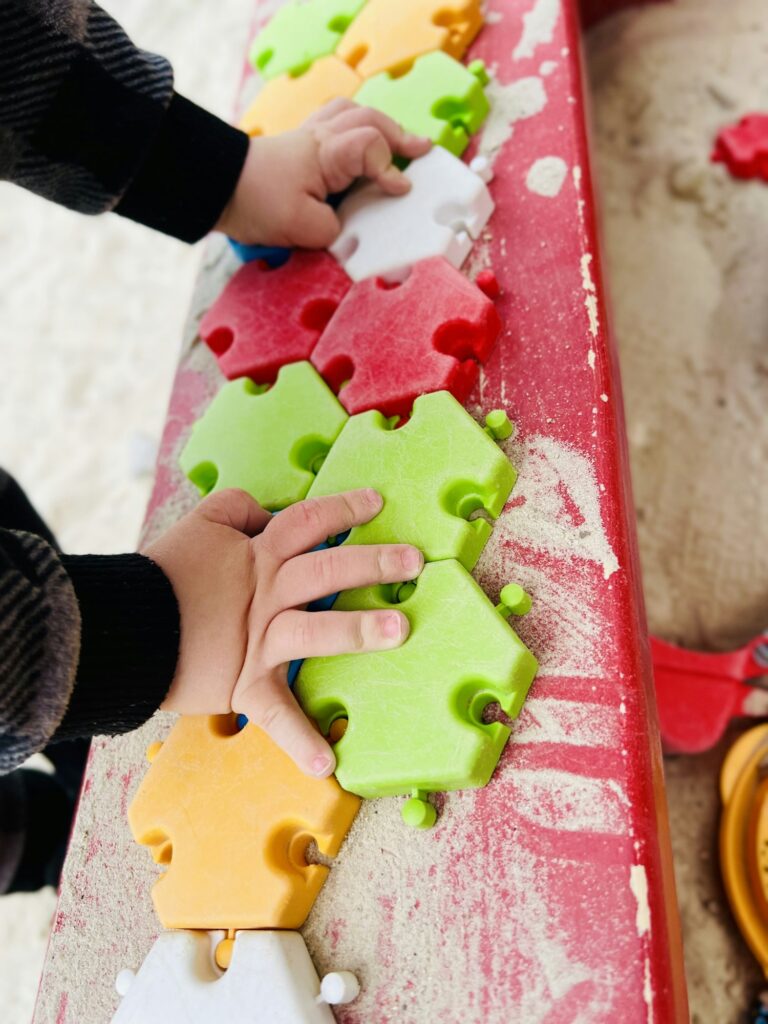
x: 317, y: 226
x: 236, y: 509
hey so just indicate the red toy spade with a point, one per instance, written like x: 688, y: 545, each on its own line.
x: 698, y: 693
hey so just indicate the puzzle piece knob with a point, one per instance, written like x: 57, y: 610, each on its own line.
x: 482, y: 168
x: 153, y: 750
x: 223, y: 954
x: 123, y: 981
x: 514, y: 600
x: 338, y: 988
x: 498, y: 425
x: 479, y: 70
x: 418, y: 812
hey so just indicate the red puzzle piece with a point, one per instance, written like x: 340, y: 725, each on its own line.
x: 394, y: 342
x: 267, y: 317
x: 743, y: 147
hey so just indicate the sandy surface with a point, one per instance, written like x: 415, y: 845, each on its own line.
x: 92, y: 316
x: 688, y: 261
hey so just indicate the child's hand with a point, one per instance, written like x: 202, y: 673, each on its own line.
x: 242, y: 578
x: 279, y: 197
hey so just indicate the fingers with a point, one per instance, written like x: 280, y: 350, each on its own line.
x: 398, y: 140
x: 270, y: 705
x: 298, y: 634
x: 359, y: 142
x: 307, y: 577
x: 302, y: 526
x: 330, y: 110
x: 234, y: 508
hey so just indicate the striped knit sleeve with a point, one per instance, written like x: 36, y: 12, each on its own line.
x: 90, y: 121
x: 39, y: 644
x: 88, y: 644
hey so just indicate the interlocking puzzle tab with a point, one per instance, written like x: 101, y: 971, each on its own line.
x: 743, y: 147
x: 388, y: 35
x: 439, y: 97
x: 299, y: 33
x: 389, y: 344
x: 383, y: 236
x: 433, y: 473
x: 265, y: 318
x: 271, y: 980
x: 269, y: 443
x: 415, y: 714
x: 285, y: 102
x: 231, y: 816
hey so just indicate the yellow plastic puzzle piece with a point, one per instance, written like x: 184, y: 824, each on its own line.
x: 743, y: 837
x: 231, y: 817
x: 286, y: 102
x: 388, y: 35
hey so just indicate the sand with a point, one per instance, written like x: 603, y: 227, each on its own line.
x: 687, y: 253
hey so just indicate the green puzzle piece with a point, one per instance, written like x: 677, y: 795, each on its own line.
x: 415, y: 713
x: 268, y: 442
x: 299, y: 33
x: 433, y: 472
x: 439, y: 97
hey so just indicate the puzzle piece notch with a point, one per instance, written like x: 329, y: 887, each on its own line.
x: 271, y: 980
x: 434, y: 472
x: 447, y: 206
x: 265, y: 318
x: 299, y: 33
x: 268, y: 441
x: 438, y: 327
x: 415, y: 714
x: 232, y: 816
x: 286, y: 102
x: 743, y: 147
x: 438, y: 97
x: 388, y: 35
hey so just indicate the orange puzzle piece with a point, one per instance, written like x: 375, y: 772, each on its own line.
x: 232, y: 816
x: 388, y: 35
x: 285, y: 102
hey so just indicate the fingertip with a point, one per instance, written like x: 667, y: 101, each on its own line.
x: 323, y: 765
x: 395, y: 627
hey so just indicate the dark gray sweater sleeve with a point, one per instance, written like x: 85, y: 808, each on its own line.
x: 90, y: 121
x: 88, y: 644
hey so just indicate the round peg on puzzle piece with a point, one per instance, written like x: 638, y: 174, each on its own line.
x: 514, y: 600
x: 498, y: 425
x: 479, y: 70
x: 482, y: 168
x: 223, y: 954
x: 338, y: 988
x: 418, y: 812
x: 123, y: 981
x: 488, y: 284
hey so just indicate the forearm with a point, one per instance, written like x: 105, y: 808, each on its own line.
x: 90, y: 121
x: 87, y: 644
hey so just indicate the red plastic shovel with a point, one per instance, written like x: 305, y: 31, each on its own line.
x: 699, y: 693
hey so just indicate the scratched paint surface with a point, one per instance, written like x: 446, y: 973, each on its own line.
x: 548, y: 895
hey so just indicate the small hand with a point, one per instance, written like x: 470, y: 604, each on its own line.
x: 279, y: 199
x: 243, y: 579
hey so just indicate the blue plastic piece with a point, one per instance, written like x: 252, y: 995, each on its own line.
x: 273, y: 255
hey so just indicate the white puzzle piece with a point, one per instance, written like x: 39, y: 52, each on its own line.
x: 448, y: 206
x: 271, y: 980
